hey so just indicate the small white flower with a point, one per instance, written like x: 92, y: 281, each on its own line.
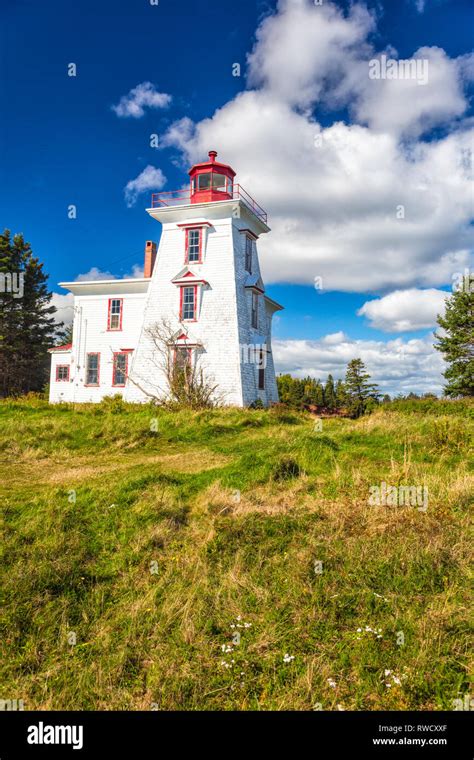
x: 332, y: 683
x: 387, y: 672
x: 396, y: 680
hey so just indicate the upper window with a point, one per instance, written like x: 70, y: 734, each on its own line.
x: 188, y: 302
x: 254, y: 309
x: 92, y: 369
x: 193, y: 245
x: 115, y: 314
x: 204, y: 181
x: 62, y: 373
x: 119, y: 374
x: 219, y: 182
x: 248, y: 254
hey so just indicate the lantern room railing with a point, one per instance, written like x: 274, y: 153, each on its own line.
x: 182, y: 197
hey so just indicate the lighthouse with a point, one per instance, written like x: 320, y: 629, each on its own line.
x: 206, y: 279
x: 202, y: 292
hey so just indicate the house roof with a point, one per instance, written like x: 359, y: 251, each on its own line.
x: 64, y: 349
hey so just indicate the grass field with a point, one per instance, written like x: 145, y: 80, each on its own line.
x: 229, y: 559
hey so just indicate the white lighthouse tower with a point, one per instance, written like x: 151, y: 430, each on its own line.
x: 206, y: 283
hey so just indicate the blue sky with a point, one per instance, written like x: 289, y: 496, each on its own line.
x: 61, y: 144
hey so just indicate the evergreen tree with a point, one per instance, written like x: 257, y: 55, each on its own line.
x: 330, y: 393
x: 457, y: 342
x: 341, y: 398
x: 361, y: 394
x: 27, y: 328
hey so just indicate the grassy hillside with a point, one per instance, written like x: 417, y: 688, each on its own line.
x: 137, y: 543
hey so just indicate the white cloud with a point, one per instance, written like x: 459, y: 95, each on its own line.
x: 142, y: 96
x: 65, y: 307
x: 303, y: 50
x: 150, y: 178
x: 410, y: 106
x: 335, y: 194
x: 136, y: 273
x: 396, y: 366
x: 94, y: 273
x: 405, y: 310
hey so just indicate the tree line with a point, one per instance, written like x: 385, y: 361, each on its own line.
x: 355, y: 395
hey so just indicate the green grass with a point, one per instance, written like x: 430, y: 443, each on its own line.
x: 131, y: 557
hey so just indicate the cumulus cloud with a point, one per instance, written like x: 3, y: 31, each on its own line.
x: 356, y: 204
x: 405, y: 310
x: 94, y: 273
x: 397, y: 366
x: 150, y: 178
x: 64, y: 305
x: 427, y: 92
x: 142, y: 96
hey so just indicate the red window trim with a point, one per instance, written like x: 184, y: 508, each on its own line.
x: 186, y: 251
x: 62, y: 379
x: 120, y: 353
x: 114, y: 329
x: 181, y: 296
x: 93, y: 385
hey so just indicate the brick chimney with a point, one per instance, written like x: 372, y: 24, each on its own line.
x: 150, y: 257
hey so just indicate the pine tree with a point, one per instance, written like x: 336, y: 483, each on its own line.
x: 341, y: 396
x: 27, y: 328
x: 330, y: 393
x: 361, y: 394
x: 457, y: 342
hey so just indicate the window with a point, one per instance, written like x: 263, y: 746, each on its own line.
x: 182, y: 357
x: 62, y: 373
x: 115, y: 314
x: 119, y: 374
x: 193, y: 245
x: 188, y: 302
x: 230, y: 186
x: 254, y: 309
x: 261, y: 372
x: 92, y: 369
x: 204, y: 181
x: 248, y: 254
x: 219, y: 182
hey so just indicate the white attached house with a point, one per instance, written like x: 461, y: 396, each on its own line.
x: 204, y: 281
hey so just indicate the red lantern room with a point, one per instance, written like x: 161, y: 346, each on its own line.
x: 211, y: 181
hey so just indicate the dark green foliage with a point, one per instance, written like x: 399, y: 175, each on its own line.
x: 299, y: 393
x: 27, y: 327
x: 362, y: 395
x: 457, y: 342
